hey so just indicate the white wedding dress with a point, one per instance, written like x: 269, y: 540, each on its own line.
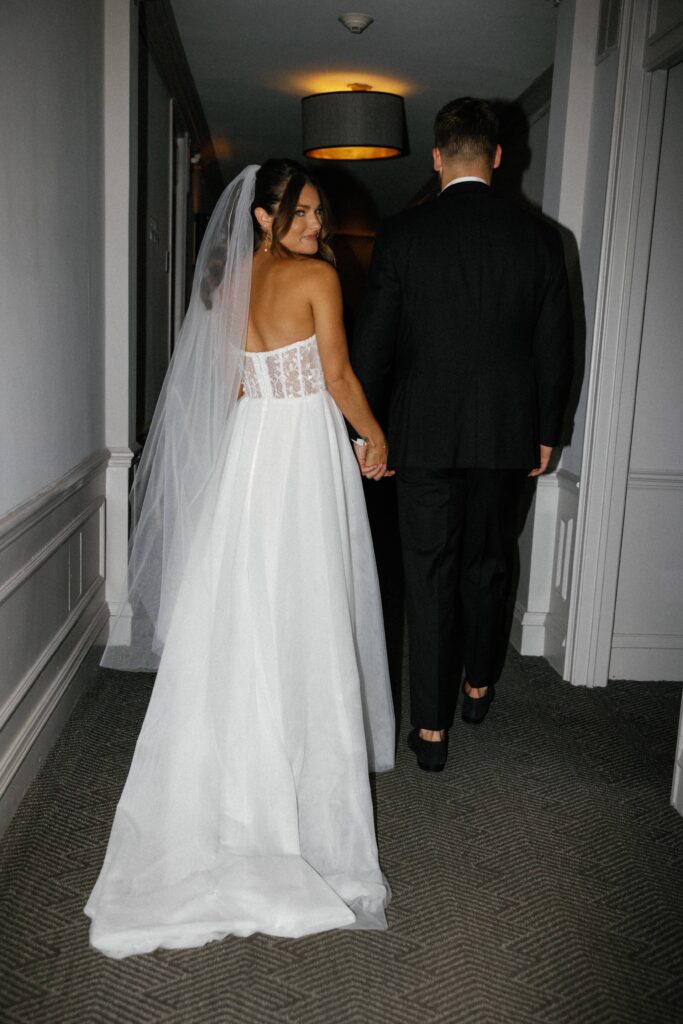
x: 247, y: 807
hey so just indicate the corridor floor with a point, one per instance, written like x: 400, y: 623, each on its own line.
x: 539, y: 879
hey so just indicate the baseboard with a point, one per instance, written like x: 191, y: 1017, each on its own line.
x: 527, y: 634
x: 647, y: 657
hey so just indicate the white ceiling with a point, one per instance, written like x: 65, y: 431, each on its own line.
x: 253, y: 60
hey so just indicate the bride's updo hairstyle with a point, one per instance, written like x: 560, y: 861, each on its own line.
x: 278, y: 187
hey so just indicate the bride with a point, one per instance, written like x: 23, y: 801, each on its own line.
x: 252, y: 588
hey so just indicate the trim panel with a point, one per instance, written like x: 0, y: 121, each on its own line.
x: 52, y: 612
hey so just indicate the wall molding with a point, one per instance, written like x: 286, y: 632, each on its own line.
x: 52, y: 612
x: 12, y: 758
x: 528, y: 631
x: 650, y: 641
x: 540, y: 626
x: 40, y: 557
x: 27, y: 515
x: 654, y: 664
x: 664, y: 46
x: 48, y: 652
x: 651, y: 656
x: 645, y: 479
x: 120, y: 458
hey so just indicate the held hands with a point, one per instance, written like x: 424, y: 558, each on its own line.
x: 372, y: 459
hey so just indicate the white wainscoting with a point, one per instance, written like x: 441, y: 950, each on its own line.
x: 539, y: 625
x: 648, y: 629
x: 52, y: 617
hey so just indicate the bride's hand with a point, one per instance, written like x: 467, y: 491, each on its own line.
x: 376, y: 456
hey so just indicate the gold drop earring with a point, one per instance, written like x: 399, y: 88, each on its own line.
x: 267, y: 242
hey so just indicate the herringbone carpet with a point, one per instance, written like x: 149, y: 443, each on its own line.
x: 538, y: 880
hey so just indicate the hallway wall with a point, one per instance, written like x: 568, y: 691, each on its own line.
x: 601, y: 182
x: 574, y: 196
x: 51, y: 241
x: 52, y: 457
x: 648, y: 626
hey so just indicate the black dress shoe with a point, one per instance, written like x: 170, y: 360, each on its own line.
x: 475, y: 709
x: 431, y: 755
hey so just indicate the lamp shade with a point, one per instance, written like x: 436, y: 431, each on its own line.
x: 356, y: 125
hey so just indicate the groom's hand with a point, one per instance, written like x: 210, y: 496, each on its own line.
x: 374, y: 468
x: 544, y: 459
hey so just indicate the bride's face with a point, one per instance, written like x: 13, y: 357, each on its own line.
x: 302, y: 235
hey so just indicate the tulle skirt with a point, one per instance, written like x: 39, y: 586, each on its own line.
x: 247, y: 807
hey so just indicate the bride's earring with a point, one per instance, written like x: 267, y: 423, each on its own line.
x: 267, y: 243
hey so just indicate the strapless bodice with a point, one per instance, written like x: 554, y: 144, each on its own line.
x: 292, y: 371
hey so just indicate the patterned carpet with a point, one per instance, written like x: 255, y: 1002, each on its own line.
x: 538, y: 880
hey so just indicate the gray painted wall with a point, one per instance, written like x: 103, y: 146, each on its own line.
x: 51, y: 242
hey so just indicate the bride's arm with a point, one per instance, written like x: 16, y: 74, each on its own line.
x: 342, y: 383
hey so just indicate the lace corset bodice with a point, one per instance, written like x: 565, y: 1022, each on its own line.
x: 292, y: 371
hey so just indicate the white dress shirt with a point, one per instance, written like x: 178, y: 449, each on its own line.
x: 469, y: 177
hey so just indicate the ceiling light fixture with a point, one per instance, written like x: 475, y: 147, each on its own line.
x: 357, y: 124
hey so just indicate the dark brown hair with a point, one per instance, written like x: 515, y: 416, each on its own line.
x: 467, y: 129
x: 278, y: 187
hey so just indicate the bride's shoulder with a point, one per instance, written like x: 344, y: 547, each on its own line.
x: 322, y: 269
x: 315, y: 274
x: 323, y: 279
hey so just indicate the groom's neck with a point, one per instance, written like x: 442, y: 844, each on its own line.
x: 459, y: 169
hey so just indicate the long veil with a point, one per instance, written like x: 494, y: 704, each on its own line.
x: 197, y: 398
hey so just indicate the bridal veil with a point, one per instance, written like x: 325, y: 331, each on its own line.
x: 197, y: 398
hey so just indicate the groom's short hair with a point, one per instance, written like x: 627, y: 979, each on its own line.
x: 467, y: 129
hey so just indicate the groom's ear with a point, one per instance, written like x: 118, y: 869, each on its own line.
x: 438, y: 162
x: 497, y: 157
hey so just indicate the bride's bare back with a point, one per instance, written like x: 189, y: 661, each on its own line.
x: 280, y: 307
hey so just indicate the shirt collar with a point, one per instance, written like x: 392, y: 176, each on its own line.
x: 470, y: 177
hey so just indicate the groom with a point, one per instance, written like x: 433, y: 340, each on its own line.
x: 465, y: 337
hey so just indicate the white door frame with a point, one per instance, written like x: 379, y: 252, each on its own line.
x: 620, y: 307
x: 120, y: 268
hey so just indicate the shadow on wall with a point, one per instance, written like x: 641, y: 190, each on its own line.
x: 508, y: 182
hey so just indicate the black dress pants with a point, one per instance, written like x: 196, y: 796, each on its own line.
x: 458, y: 538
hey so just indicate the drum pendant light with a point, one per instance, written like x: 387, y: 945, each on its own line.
x: 354, y: 125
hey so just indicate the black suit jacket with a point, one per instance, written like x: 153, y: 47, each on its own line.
x: 464, y: 340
